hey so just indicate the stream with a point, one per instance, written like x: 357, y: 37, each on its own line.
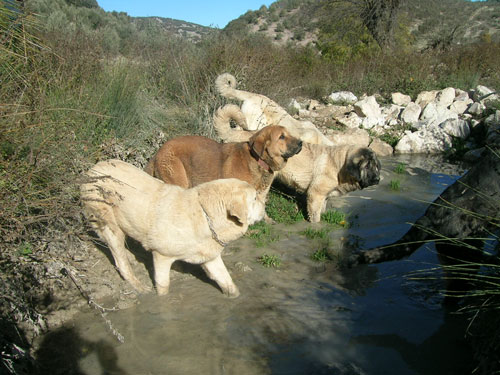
x: 303, y: 317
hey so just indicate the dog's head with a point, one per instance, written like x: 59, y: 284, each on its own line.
x: 364, y: 166
x: 275, y: 146
x: 231, y: 205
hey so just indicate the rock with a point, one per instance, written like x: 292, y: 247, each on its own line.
x: 295, y: 105
x: 493, y: 128
x: 342, y: 97
x: 400, y: 99
x: 429, y: 139
x: 391, y: 112
x: 350, y: 120
x: 461, y: 96
x: 381, y: 148
x: 358, y: 137
x: 368, y: 107
x: 476, y: 109
x: 459, y: 107
x: 436, y: 113
x: 425, y: 97
x: 313, y: 105
x: 473, y: 155
x: 445, y: 97
x: 371, y: 122
x: 483, y: 93
x: 456, y: 127
x: 411, y: 113
x: 493, y: 119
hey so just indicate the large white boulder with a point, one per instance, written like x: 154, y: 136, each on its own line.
x: 430, y: 139
x: 368, y: 107
x: 351, y: 120
x: 425, y: 97
x: 400, y: 99
x: 457, y: 128
x: 460, y: 106
x: 411, y: 113
x: 342, y: 97
x: 483, y: 93
x: 445, y: 97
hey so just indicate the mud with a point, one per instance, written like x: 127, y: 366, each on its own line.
x: 303, y: 317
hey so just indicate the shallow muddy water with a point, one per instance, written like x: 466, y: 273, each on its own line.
x: 304, y: 317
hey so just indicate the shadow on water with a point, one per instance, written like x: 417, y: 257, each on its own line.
x: 61, y: 350
x: 305, y: 317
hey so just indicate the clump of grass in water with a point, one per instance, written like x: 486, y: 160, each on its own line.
x: 321, y: 255
x: 270, y: 261
x: 283, y: 209
x: 333, y: 217
x: 315, y: 233
x: 262, y: 233
x: 400, y: 168
x: 395, y: 185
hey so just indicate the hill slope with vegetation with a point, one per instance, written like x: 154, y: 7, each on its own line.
x: 421, y: 24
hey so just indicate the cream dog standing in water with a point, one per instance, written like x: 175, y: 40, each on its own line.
x: 174, y: 223
x: 260, y: 111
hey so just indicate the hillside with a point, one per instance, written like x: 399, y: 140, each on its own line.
x: 420, y: 24
x: 190, y: 31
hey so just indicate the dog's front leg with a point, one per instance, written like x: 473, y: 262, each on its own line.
x: 162, y: 266
x: 315, y: 205
x: 217, y: 271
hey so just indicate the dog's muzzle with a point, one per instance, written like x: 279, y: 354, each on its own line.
x: 293, y: 150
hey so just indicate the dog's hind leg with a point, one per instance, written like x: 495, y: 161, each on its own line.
x: 162, y: 266
x: 217, y: 271
x: 115, y: 238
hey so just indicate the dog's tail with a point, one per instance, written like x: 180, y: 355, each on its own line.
x: 226, y: 86
x: 222, y: 124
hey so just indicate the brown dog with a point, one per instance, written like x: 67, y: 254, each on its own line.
x: 191, y: 160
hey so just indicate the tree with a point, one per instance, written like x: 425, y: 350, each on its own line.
x: 378, y: 16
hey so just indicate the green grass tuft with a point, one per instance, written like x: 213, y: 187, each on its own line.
x: 395, y: 185
x: 400, y: 168
x: 262, y: 233
x: 270, y: 261
x: 283, y: 209
x: 334, y: 217
x: 321, y: 255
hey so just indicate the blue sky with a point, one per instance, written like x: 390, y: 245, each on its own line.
x: 215, y: 13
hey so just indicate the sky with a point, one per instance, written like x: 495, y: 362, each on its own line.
x: 214, y: 13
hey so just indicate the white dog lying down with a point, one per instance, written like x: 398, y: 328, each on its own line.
x: 319, y: 171
x: 192, y: 225
x: 260, y: 111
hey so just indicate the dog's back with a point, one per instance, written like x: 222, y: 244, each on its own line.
x: 190, y: 160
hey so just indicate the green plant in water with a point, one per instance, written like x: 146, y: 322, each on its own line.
x: 315, y: 233
x: 400, y: 168
x: 321, y: 255
x: 283, y: 209
x: 334, y: 217
x: 262, y: 233
x: 395, y: 185
x: 270, y: 261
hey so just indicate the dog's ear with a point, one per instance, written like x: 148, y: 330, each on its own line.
x: 237, y: 210
x: 258, y: 142
x: 354, y: 165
